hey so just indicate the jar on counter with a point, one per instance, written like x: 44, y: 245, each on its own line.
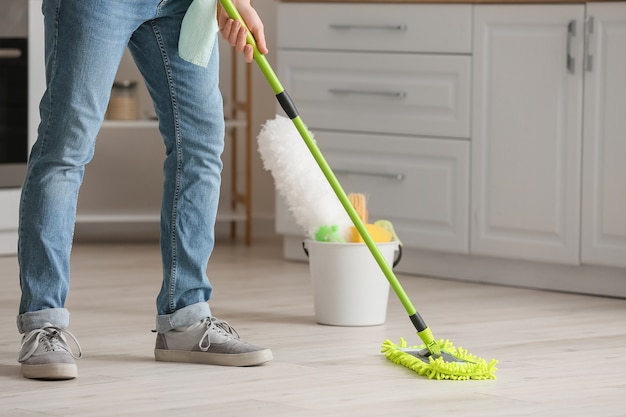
x: 123, y: 104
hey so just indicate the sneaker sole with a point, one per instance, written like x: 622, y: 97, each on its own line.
x: 52, y: 371
x: 258, y: 357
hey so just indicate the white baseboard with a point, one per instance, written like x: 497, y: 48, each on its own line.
x: 584, y: 279
x: 146, y: 228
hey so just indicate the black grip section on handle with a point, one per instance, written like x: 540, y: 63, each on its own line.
x: 287, y: 104
x: 418, y: 322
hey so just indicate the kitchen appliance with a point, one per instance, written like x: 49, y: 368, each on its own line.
x: 13, y: 92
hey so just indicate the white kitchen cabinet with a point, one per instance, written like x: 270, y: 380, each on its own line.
x: 540, y: 160
x: 527, y: 132
x: 386, y: 91
x: 604, y: 140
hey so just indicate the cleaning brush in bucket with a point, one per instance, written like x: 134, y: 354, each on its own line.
x: 436, y: 359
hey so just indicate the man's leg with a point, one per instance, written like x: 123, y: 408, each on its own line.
x: 84, y: 45
x: 191, y: 119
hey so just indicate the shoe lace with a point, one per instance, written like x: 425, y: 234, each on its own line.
x: 50, y: 339
x: 216, y: 325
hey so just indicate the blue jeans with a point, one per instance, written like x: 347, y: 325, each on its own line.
x: 85, y: 41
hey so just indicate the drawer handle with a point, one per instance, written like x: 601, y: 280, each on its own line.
x: 348, y: 26
x: 390, y: 176
x: 348, y: 92
x: 10, y: 53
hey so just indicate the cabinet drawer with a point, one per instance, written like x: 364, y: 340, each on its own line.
x: 376, y: 27
x: 421, y: 185
x: 403, y: 94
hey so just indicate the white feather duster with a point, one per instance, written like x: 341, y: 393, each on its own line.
x: 299, y: 179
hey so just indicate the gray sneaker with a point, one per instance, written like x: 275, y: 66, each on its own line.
x: 211, y: 341
x: 45, y: 354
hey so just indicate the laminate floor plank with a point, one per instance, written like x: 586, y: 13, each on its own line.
x: 560, y: 354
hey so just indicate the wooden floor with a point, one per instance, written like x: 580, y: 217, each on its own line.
x: 560, y: 354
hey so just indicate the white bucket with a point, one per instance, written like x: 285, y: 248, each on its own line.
x: 349, y: 287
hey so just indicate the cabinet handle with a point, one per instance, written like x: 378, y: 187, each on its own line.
x: 348, y: 26
x: 389, y: 176
x: 588, y: 32
x: 348, y: 91
x: 10, y: 53
x: 571, y: 32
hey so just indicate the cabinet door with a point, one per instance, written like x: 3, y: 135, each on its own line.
x: 526, y: 132
x: 604, y: 143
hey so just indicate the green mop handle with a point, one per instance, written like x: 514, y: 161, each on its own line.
x: 289, y: 107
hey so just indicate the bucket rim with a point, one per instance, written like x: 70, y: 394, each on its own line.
x: 396, y: 245
x: 308, y: 241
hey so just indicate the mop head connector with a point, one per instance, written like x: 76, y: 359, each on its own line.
x: 451, y: 363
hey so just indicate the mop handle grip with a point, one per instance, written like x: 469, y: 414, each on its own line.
x: 259, y: 58
x: 234, y: 14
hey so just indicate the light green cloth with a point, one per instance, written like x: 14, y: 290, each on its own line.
x: 198, y: 32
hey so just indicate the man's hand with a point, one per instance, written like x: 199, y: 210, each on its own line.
x: 235, y: 33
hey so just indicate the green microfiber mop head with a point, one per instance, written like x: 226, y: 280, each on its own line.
x: 453, y: 363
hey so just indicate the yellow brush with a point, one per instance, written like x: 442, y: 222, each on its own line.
x: 378, y: 233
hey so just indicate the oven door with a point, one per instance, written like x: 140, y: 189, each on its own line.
x: 13, y: 111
